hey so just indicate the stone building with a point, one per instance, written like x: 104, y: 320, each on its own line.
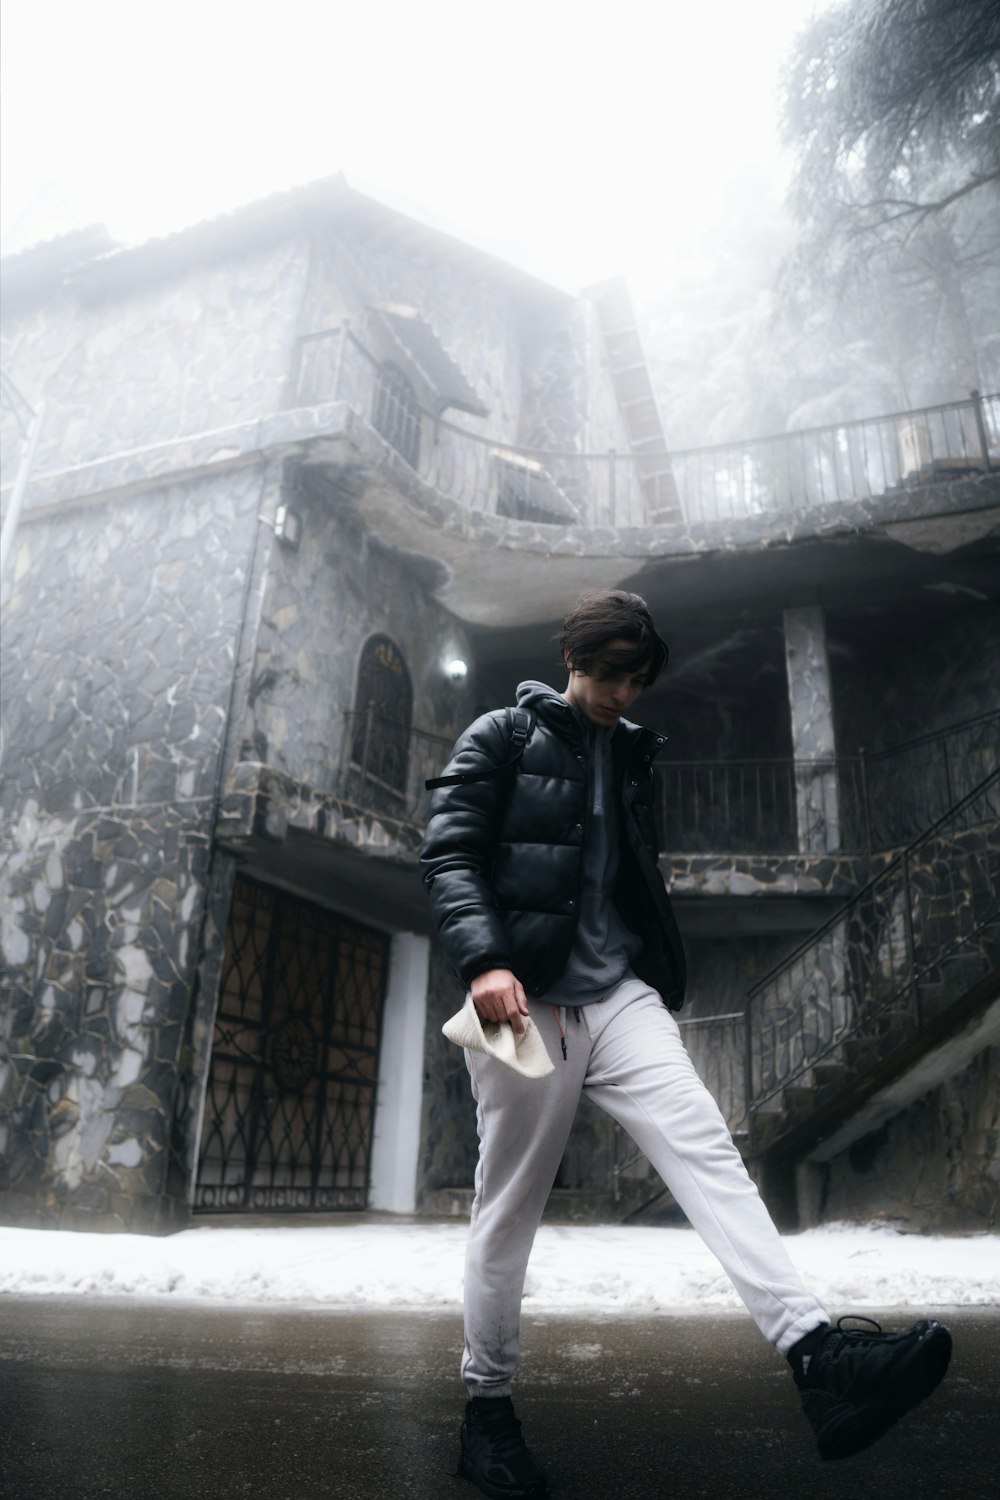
x: 313, y: 484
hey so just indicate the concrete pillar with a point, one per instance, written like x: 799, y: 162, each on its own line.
x: 399, y: 1098
x: 810, y: 699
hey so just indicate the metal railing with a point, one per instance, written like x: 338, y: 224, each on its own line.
x: 752, y: 477
x: 856, y: 804
x: 478, y: 471
x: 905, y: 947
x: 758, y: 806
x: 818, y: 466
x: 908, y: 786
x: 872, y: 801
x: 384, y: 764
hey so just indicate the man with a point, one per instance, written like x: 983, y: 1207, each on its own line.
x: 541, y: 866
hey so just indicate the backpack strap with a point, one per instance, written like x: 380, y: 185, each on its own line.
x: 519, y: 727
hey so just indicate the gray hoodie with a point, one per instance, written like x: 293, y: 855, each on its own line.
x: 604, y: 947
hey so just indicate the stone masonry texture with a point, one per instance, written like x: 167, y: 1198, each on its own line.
x: 176, y: 679
x: 120, y: 647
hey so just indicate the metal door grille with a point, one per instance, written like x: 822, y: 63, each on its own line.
x: 291, y: 1089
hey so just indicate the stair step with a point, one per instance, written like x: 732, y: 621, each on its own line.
x: 860, y: 1055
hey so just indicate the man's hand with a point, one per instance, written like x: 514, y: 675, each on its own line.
x: 499, y: 996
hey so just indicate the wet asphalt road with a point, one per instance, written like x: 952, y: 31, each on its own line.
x: 126, y: 1401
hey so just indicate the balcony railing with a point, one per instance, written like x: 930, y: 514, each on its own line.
x: 384, y: 764
x: 862, y: 803
x: 757, y: 806
x: 753, y: 477
x: 848, y: 461
x: 480, y: 472
x: 910, y: 943
x: 856, y: 804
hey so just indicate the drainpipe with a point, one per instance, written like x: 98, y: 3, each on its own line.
x: 13, y: 515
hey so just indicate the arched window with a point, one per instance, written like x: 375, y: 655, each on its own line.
x: 397, y: 412
x: 383, y: 703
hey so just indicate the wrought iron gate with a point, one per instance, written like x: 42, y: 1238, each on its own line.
x: 291, y: 1088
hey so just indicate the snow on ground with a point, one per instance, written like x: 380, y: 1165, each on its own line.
x: 573, y: 1269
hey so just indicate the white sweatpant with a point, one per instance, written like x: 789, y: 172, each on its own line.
x: 626, y: 1053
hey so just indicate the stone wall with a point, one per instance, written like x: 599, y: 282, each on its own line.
x: 934, y: 1168
x: 476, y: 323
x: 904, y: 687
x: 323, y: 602
x: 120, y: 641
x: 554, y: 406
x: 894, y: 689
x: 726, y: 701
x: 721, y: 970
x: 198, y: 352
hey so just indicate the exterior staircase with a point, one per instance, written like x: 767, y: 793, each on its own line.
x: 911, y: 963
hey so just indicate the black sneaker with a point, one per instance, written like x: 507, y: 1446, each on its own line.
x: 859, y: 1382
x: 494, y: 1455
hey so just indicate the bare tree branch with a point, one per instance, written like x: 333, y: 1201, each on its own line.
x: 908, y: 208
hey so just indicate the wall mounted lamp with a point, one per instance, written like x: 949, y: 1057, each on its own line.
x: 287, y: 526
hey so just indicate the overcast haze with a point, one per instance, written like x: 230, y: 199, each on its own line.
x: 579, y: 140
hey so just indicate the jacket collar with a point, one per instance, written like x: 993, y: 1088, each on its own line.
x: 629, y: 739
x: 636, y: 742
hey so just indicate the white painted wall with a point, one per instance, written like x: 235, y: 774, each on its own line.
x: 396, y: 1143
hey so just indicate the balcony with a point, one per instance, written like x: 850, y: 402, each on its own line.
x: 853, y: 807
x: 853, y: 804
x: 481, y: 473
x: 765, y: 846
x: 753, y: 478
x: 850, y: 461
x: 800, y: 837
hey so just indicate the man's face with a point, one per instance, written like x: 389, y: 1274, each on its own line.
x: 606, y: 693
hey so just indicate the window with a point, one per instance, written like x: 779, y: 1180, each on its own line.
x: 383, y: 703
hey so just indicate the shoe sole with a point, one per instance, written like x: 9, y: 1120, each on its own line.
x: 861, y: 1426
x: 466, y: 1471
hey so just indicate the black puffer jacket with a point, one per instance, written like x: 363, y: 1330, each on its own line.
x: 503, y: 858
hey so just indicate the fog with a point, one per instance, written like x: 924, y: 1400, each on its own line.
x: 579, y: 140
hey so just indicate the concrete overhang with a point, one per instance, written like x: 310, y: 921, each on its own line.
x: 365, y: 864
x: 319, y: 846
x: 499, y: 573
x: 492, y: 571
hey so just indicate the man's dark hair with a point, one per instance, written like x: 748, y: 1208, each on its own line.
x: 603, y: 615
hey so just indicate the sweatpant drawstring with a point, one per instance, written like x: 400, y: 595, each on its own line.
x: 560, y: 1015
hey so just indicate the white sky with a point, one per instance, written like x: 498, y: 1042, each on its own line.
x: 579, y: 138
x: 573, y: 1269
